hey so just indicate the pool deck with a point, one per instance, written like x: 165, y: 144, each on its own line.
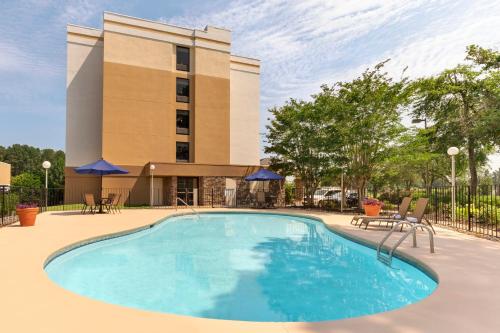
x: 466, y: 300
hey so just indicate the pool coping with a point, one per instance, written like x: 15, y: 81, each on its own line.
x: 468, y: 269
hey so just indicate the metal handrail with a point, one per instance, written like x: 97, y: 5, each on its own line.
x: 187, y: 205
x: 413, y: 230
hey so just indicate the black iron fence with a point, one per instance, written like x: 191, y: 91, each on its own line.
x: 59, y: 199
x: 476, y: 210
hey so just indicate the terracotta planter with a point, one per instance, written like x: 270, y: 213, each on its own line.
x: 372, y: 210
x: 27, y: 216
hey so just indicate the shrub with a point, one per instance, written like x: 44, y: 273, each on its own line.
x: 11, y: 200
x: 481, y: 214
x: 26, y: 179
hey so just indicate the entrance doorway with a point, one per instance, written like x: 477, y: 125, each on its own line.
x: 187, y: 190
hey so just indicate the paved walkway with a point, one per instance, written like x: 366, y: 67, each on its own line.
x: 466, y: 300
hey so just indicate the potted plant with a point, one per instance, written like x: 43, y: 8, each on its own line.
x: 27, y: 214
x: 372, y: 207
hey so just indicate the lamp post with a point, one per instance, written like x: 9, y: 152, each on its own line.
x: 418, y: 120
x: 151, y: 171
x: 46, y: 165
x: 428, y: 186
x: 342, y: 191
x: 452, y: 151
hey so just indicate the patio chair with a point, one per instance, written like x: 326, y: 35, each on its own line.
x: 109, y: 201
x: 113, y: 204
x: 89, y: 202
x: 401, y: 215
x: 261, y: 199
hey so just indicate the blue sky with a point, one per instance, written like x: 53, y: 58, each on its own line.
x: 302, y: 44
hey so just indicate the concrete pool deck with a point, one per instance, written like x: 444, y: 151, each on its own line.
x: 466, y: 300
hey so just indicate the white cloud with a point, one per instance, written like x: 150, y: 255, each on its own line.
x: 303, y: 44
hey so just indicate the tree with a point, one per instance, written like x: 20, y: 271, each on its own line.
x: 463, y: 103
x: 364, y: 115
x: 23, y: 158
x: 296, y: 141
x: 28, y: 159
x: 27, y: 180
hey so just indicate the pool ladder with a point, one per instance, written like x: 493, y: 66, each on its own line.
x: 387, y: 258
x: 187, y: 205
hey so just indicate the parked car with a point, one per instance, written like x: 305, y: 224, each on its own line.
x: 330, y: 196
x: 320, y: 194
x: 352, y: 200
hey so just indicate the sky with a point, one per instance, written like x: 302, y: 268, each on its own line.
x: 301, y: 44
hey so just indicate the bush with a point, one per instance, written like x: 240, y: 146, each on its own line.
x: 27, y: 180
x: 11, y: 200
x: 330, y: 204
x: 289, y: 193
x: 481, y: 214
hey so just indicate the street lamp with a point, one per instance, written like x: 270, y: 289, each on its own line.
x: 342, y: 191
x: 418, y: 120
x: 452, y: 151
x: 46, y: 165
x: 152, y: 168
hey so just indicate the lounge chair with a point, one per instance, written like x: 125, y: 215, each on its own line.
x: 418, y: 214
x: 89, y: 202
x: 403, y: 210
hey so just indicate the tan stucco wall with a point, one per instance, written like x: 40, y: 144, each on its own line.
x: 139, y: 100
x: 83, y: 95
x: 244, y: 118
x: 4, y: 173
x: 211, y: 107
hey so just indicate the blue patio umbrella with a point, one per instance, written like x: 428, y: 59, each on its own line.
x: 100, y: 168
x: 263, y: 175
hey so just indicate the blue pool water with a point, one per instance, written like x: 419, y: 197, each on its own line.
x: 255, y: 267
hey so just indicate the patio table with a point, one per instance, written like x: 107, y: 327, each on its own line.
x: 102, y: 201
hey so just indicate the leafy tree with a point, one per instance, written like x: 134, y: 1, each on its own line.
x: 28, y: 180
x: 296, y: 141
x: 364, y: 115
x: 23, y: 158
x: 463, y: 103
x: 28, y: 159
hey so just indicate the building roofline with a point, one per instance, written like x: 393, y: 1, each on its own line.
x: 165, y: 23
x: 74, y: 29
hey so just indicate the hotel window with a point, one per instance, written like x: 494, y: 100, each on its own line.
x: 182, y: 152
x: 182, y: 86
x: 182, y: 121
x: 182, y: 58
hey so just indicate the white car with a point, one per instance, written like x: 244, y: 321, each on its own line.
x: 326, y: 195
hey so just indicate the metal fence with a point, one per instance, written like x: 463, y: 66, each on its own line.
x: 59, y: 199
x: 476, y: 210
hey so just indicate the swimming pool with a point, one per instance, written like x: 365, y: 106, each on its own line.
x: 240, y: 266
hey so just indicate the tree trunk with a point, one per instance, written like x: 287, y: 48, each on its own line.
x: 472, y: 166
x: 361, y: 193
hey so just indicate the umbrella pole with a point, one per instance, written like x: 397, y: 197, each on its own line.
x: 100, y: 199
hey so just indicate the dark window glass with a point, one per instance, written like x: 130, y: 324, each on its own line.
x: 182, y: 59
x: 182, y: 122
x: 182, y: 90
x: 182, y: 152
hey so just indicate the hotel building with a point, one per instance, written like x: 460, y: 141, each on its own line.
x: 142, y: 93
